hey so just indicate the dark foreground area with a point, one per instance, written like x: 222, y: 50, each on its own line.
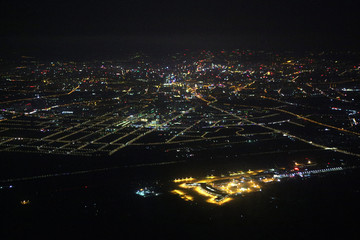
x: 103, y: 205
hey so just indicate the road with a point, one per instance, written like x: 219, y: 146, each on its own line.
x: 287, y: 134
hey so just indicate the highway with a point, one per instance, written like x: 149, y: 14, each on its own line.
x: 287, y: 134
x: 101, y: 123
x: 182, y: 132
x: 48, y: 96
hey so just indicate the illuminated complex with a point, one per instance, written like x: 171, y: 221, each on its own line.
x: 220, y: 190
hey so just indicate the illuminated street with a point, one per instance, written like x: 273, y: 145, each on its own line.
x: 104, y: 115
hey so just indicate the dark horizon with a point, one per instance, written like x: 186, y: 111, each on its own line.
x: 115, y: 46
x: 92, y: 28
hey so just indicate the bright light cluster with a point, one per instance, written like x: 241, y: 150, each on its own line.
x: 220, y: 190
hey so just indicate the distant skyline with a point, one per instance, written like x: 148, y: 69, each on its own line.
x: 93, y: 27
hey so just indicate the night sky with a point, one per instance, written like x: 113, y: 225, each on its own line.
x: 95, y: 27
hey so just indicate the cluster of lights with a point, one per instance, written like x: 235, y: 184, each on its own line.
x: 221, y: 192
x: 145, y: 192
x: 221, y: 189
x: 25, y: 202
